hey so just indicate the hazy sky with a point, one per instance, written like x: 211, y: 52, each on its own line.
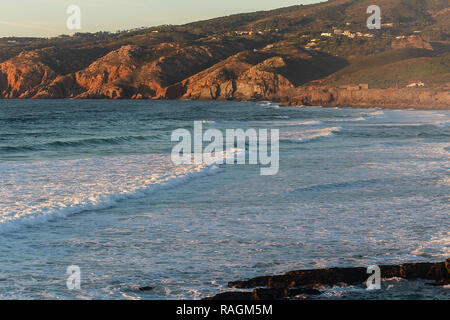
x: 48, y: 17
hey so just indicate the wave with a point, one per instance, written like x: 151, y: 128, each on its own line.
x: 345, y: 119
x: 441, y: 124
x: 344, y: 185
x: 75, y: 143
x: 44, y: 191
x: 308, y: 135
x: 269, y: 104
x: 286, y: 123
x: 282, y: 117
x: 374, y: 113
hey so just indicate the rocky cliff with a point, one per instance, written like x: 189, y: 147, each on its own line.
x: 438, y: 98
x: 277, y: 55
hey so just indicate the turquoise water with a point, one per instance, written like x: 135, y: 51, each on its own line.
x: 90, y: 183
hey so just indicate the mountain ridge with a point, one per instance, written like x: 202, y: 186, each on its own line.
x: 265, y: 55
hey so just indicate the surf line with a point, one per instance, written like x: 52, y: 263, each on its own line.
x: 190, y: 149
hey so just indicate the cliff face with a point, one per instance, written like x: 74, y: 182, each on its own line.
x: 266, y: 74
x: 383, y: 98
x: 244, y: 76
x: 21, y: 76
x: 125, y: 73
x: 270, y: 55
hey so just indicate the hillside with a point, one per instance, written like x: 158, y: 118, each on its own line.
x: 260, y: 55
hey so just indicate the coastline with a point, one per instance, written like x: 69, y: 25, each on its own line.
x: 420, y: 99
x: 332, y: 97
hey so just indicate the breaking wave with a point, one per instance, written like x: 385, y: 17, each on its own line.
x: 308, y: 135
x: 42, y: 191
x: 55, y: 145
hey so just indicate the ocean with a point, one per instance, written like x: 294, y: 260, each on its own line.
x: 92, y: 184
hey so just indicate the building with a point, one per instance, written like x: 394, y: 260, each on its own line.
x: 364, y: 86
x: 415, y: 84
x: 349, y: 34
x: 311, y: 45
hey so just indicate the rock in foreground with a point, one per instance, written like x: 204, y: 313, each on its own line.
x: 304, y: 282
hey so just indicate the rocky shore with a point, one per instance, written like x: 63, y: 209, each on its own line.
x: 310, y: 282
x: 415, y: 98
x: 205, y: 73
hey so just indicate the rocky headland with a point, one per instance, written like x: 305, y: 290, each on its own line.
x: 315, y: 55
x: 310, y: 282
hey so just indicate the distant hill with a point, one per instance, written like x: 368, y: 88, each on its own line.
x: 244, y: 56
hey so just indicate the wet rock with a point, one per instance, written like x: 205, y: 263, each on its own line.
x: 145, y: 288
x: 432, y: 271
x: 252, y: 283
x: 306, y: 278
x: 438, y: 271
x: 233, y: 296
x: 390, y: 271
x: 264, y: 294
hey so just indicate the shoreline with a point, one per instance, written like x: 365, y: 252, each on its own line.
x: 328, y: 97
x: 311, y: 282
x: 282, y: 104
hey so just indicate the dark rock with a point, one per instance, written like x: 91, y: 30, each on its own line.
x: 145, y: 288
x: 252, y: 283
x: 390, y: 271
x: 268, y: 294
x: 234, y: 296
x: 442, y: 282
x: 349, y: 276
x: 433, y: 271
x: 306, y: 278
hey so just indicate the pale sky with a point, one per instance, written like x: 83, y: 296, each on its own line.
x: 48, y: 17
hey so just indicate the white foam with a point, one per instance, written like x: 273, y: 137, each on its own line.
x: 346, y: 119
x: 308, y: 135
x: 286, y: 123
x: 374, y: 113
x: 441, y: 124
x: 269, y: 104
x: 37, y: 192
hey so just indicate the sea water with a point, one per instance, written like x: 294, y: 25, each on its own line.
x: 92, y: 184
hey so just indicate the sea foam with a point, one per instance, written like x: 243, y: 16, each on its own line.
x: 41, y: 191
x: 308, y: 135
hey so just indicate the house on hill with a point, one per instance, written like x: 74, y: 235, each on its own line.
x: 415, y: 84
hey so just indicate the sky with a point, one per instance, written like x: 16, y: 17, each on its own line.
x: 47, y: 18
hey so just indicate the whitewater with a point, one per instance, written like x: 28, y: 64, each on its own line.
x: 91, y: 183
